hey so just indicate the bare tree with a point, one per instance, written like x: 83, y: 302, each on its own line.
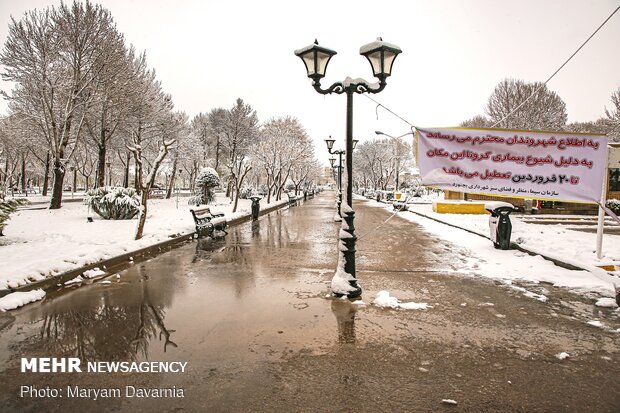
x: 544, y: 111
x: 613, y: 117
x: 151, y: 127
x: 284, y: 148
x: 239, y: 130
x: 478, y: 121
x: 111, y: 92
x: 599, y: 126
x: 54, y: 56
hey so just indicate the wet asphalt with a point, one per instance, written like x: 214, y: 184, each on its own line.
x: 251, y: 315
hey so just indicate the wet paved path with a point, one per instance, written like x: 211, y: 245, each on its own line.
x: 250, y: 316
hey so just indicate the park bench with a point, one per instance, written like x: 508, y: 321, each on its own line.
x: 157, y: 193
x: 206, y: 222
x: 400, y: 204
x: 292, y: 199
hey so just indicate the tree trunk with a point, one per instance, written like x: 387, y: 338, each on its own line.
x: 23, y: 176
x: 172, y: 178
x: 46, y: 177
x: 6, y: 170
x: 59, y: 176
x: 236, y: 200
x: 192, y: 177
x: 126, y: 176
x: 229, y: 187
x: 217, y: 154
x: 101, y: 165
x: 142, y: 215
x: 170, y: 188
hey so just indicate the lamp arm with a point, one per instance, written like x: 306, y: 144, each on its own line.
x: 332, y: 152
x: 350, y: 86
x: 365, y: 87
x: 337, y: 87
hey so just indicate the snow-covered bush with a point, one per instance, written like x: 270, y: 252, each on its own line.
x: 7, y: 207
x: 113, y: 203
x: 614, y: 205
x: 246, y: 192
x: 206, y: 181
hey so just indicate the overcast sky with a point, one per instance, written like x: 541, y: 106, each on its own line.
x: 207, y: 53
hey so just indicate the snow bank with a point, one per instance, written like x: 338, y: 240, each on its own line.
x: 340, y: 281
x: 43, y: 243
x: 606, y: 302
x: 18, y: 299
x: 384, y: 299
x: 95, y: 272
x: 484, y: 260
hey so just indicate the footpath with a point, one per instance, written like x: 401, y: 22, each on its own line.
x: 560, y: 244
x: 46, y: 250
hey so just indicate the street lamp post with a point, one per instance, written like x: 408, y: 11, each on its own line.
x: 381, y: 56
x: 72, y: 169
x: 330, y: 146
x: 337, y: 171
x: 177, y: 186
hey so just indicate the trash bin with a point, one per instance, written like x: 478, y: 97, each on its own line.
x: 255, y: 206
x: 499, y: 223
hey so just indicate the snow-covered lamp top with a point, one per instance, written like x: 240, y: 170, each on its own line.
x: 381, y: 56
x: 315, y: 58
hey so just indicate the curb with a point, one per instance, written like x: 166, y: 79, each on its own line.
x: 114, y: 264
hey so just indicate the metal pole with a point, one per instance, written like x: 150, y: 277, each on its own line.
x: 339, y: 183
x: 601, y: 217
x: 176, y: 185
x: 347, y: 231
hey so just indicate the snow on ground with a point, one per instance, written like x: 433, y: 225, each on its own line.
x: 384, y: 299
x: 18, y: 299
x: 606, y: 302
x: 482, y: 259
x: 44, y: 242
x: 579, y: 246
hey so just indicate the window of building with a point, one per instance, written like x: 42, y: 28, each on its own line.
x: 614, y: 179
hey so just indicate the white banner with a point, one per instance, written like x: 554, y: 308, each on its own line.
x: 543, y: 165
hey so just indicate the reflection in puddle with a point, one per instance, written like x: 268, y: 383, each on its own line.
x: 345, y: 317
x: 102, y: 328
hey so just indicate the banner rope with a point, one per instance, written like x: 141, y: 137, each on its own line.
x: 379, y: 104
